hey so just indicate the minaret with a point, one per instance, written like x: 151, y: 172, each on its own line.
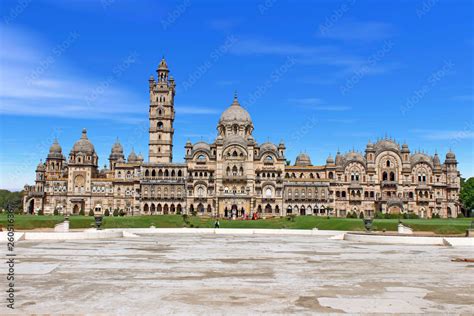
x: 161, y: 115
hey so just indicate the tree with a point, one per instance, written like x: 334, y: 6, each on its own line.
x: 56, y: 212
x: 107, y: 213
x: 81, y: 212
x: 91, y: 213
x: 467, y: 194
x: 12, y: 199
x: 116, y: 212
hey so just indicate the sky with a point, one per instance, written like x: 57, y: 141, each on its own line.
x: 321, y: 76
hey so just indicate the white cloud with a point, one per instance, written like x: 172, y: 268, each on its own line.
x: 317, y: 104
x: 357, y: 31
x: 36, y: 80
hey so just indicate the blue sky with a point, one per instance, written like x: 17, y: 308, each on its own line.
x: 319, y: 75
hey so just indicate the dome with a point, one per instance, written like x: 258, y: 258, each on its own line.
x: 268, y: 147
x: 140, y: 157
x: 330, y: 160
x: 83, y: 145
x: 55, y: 151
x: 163, y: 65
x: 235, y: 114
x: 405, y: 148
x: 303, y: 160
x: 132, y: 157
x: 450, y: 157
x: 202, y: 146
x: 420, y: 157
x: 386, y: 144
x: 370, y: 146
x: 55, y: 147
x: 355, y: 156
x: 117, y: 148
x: 40, y: 166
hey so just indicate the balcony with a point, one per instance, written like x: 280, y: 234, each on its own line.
x: 156, y: 180
x: 233, y: 178
x: 389, y: 184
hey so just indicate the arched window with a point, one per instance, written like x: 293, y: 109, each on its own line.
x: 201, y: 157
x: 180, y: 173
x: 234, y: 171
x: 384, y: 176
x: 147, y: 173
x: 388, y: 163
x: 392, y: 176
x: 268, y: 193
x: 159, y: 125
x: 234, y: 154
x: 269, y: 158
x: 331, y: 175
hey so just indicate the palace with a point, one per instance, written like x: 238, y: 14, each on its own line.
x: 236, y: 176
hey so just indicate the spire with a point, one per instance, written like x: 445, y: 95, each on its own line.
x: 84, y: 133
x: 236, y: 99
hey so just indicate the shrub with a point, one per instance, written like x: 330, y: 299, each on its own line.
x: 116, y: 212
x: 435, y: 216
x: 186, y: 218
x: 82, y: 213
x: 91, y: 213
x: 122, y: 213
x: 41, y: 212
x: 460, y: 215
x: 361, y: 215
x: 56, y: 212
x: 106, y: 213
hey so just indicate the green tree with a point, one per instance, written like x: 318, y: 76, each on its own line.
x: 467, y: 194
x: 91, y: 213
x: 107, y: 213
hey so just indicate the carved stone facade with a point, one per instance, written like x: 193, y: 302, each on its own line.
x: 235, y: 176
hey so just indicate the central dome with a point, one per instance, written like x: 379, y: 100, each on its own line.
x: 235, y: 114
x: 83, y: 145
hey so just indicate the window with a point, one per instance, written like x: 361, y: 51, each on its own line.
x: 160, y: 125
x: 388, y: 163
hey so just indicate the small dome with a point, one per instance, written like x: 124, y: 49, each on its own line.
x: 450, y: 155
x: 163, y: 65
x: 140, y: 157
x: 202, y: 146
x: 405, y: 148
x: 55, y: 147
x: 132, y: 157
x: 330, y: 160
x: 370, y: 146
x: 386, y: 144
x: 55, y: 151
x: 41, y: 166
x: 303, y: 160
x: 117, y: 147
x: 267, y: 146
x: 235, y: 114
x: 420, y: 157
x: 83, y: 145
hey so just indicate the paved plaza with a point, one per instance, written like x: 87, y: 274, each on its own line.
x: 212, y: 274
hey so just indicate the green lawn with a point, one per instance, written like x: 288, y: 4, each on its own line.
x: 438, y: 226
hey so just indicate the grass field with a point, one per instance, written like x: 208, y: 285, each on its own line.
x: 438, y: 226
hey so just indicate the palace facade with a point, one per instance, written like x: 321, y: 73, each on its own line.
x: 236, y: 176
